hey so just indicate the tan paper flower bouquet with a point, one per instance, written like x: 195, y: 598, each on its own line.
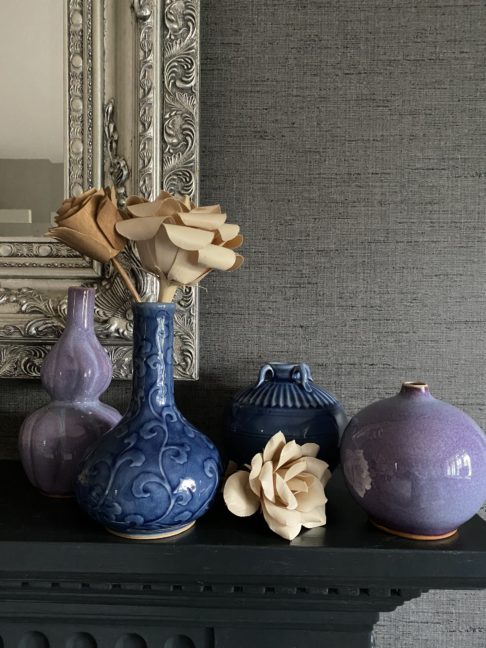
x: 177, y: 241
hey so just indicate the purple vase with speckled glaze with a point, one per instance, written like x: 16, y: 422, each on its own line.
x: 77, y: 370
x: 417, y: 465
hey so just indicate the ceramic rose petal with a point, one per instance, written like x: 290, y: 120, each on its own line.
x: 274, y: 445
x: 284, y: 522
x: 284, y: 493
x: 238, y: 496
x: 256, y: 466
x: 296, y: 468
x: 266, y: 480
x: 318, y: 468
x: 310, y: 449
x: 297, y: 485
x: 314, y: 518
x: 290, y: 452
x: 313, y: 497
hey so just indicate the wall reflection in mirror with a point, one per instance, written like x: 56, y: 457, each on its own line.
x: 31, y: 124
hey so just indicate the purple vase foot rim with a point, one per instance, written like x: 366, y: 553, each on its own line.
x: 412, y: 536
x: 155, y: 536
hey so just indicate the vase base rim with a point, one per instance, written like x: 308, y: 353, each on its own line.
x: 412, y: 536
x: 55, y: 496
x: 153, y: 536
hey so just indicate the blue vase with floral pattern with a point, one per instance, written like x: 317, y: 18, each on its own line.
x: 153, y: 474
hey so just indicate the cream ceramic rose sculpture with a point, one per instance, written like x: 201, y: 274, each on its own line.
x: 179, y: 242
x: 287, y: 482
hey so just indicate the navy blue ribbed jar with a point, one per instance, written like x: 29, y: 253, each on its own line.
x: 284, y: 399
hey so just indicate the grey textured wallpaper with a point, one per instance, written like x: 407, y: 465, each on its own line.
x: 348, y: 139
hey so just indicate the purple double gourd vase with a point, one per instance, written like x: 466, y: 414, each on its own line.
x: 416, y: 464
x: 77, y: 370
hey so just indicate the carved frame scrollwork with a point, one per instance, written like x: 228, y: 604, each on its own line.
x: 35, y: 271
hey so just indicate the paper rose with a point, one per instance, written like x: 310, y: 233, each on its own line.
x: 287, y: 482
x: 87, y: 224
x: 179, y: 242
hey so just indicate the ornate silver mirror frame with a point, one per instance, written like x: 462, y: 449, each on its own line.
x: 131, y: 120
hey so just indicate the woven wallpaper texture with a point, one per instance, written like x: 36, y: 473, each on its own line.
x: 348, y: 139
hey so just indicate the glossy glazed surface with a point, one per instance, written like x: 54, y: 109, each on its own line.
x: 416, y: 464
x: 75, y: 373
x: 284, y: 399
x: 154, y: 472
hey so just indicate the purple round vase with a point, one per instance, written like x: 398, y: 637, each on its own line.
x: 77, y: 370
x: 416, y: 465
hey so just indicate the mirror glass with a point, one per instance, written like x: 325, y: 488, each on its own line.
x: 31, y: 127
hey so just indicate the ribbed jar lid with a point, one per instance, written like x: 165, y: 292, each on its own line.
x: 285, y: 385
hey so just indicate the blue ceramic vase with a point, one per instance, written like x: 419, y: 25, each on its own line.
x: 284, y: 399
x: 76, y: 371
x: 153, y: 474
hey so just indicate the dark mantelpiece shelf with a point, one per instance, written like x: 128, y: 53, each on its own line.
x: 227, y: 583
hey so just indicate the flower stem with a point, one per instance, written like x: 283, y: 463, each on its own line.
x: 128, y: 282
x: 166, y: 291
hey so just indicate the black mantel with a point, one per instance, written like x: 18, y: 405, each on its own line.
x: 228, y: 583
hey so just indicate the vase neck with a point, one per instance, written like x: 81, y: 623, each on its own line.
x: 80, y: 308
x: 153, y: 341
x: 415, y: 389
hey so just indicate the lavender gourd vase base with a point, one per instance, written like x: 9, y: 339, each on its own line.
x: 154, y: 474
x: 77, y: 370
